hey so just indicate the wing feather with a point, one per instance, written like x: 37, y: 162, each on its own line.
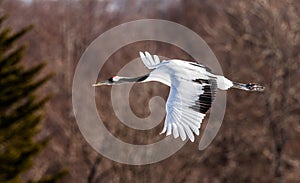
x: 149, y: 57
x: 144, y: 59
x: 175, y: 130
x: 192, y: 125
x: 188, y: 132
x: 149, y: 61
x: 169, y: 129
x: 156, y: 59
x: 181, y: 131
x: 165, y: 128
x: 185, y: 108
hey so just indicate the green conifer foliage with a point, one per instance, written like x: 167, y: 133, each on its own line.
x: 21, y: 110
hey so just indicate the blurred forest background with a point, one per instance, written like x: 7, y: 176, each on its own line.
x: 254, y: 40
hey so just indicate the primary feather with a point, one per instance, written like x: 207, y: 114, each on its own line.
x: 150, y: 63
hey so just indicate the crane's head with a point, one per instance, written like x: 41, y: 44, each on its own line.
x: 255, y: 87
x: 111, y: 81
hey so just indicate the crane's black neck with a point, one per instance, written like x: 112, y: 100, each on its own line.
x: 133, y: 79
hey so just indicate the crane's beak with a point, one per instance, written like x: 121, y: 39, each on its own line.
x: 100, y: 83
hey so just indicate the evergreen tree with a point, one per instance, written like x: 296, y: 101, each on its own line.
x: 20, y: 108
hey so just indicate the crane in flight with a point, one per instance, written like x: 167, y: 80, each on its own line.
x: 192, y: 90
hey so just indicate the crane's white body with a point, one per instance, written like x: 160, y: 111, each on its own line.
x: 193, y: 88
x: 184, y: 116
x: 180, y: 69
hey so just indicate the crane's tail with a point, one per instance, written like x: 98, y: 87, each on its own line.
x: 248, y: 86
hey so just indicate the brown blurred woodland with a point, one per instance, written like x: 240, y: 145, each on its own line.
x: 253, y: 41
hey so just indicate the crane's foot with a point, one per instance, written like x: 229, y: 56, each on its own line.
x: 255, y: 87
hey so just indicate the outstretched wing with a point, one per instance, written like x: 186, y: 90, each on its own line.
x: 187, y: 104
x: 150, y: 63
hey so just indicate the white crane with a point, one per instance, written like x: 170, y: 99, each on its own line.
x: 193, y: 89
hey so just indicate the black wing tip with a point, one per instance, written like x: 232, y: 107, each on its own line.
x: 204, y: 102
